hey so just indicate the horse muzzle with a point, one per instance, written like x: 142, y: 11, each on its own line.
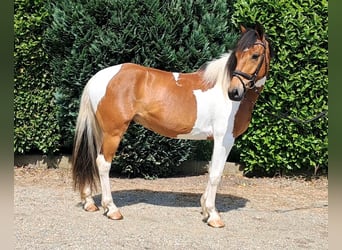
x: 236, y: 93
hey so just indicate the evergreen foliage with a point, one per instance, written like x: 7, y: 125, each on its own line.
x: 60, y: 44
x: 35, y: 125
x: 86, y: 36
x: 297, y: 88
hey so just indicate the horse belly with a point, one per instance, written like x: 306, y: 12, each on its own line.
x: 198, y: 134
x: 165, y: 121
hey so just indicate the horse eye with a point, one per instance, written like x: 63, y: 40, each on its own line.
x: 255, y: 56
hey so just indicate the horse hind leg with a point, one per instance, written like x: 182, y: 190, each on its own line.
x: 103, y: 161
x: 87, y: 200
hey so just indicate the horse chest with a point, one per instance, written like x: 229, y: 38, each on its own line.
x: 214, y: 114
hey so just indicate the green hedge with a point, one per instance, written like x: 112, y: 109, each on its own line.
x: 35, y: 125
x: 297, y: 87
x: 58, y: 47
x: 86, y: 36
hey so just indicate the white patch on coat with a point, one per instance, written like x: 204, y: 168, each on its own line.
x: 97, y: 85
x: 215, y: 115
x: 176, y: 77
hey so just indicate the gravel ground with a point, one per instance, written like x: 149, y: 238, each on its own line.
x: 260, y: 213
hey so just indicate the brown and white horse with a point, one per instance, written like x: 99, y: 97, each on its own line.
x: 215, y: 102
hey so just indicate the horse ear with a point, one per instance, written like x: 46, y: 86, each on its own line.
x: 260, y: 30
x: 242, y: 29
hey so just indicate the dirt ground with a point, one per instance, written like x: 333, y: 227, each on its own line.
x: 260, y: 213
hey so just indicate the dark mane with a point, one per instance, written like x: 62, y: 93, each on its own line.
x: 231, y: 64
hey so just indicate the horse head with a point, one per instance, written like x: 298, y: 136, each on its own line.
x: 249, y: 61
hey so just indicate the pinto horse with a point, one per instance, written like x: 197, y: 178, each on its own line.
x: 215, y: 102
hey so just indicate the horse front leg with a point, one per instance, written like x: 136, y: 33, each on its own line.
x: 222, y: 147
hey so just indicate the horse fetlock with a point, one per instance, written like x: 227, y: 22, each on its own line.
x: 107, y: 204
x: 204, y: 209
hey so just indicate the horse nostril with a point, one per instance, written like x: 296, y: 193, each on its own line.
x: 234, y: 94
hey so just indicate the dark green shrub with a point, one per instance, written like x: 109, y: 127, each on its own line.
x: 297, y: 87
x: 86, y: 36
x: 35, y: 124
x: 202, y: 150
x: 144, y: 153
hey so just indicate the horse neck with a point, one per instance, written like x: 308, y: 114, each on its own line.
x: 252, y: 96
x: 244, y: 113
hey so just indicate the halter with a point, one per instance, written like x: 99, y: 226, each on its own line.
x: 251, y: 78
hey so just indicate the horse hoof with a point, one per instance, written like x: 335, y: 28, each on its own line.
x: 216, y: 223
x: 91, y: 208
x: 115, y: 216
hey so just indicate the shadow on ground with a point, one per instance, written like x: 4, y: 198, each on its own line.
x: 224, y: 202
